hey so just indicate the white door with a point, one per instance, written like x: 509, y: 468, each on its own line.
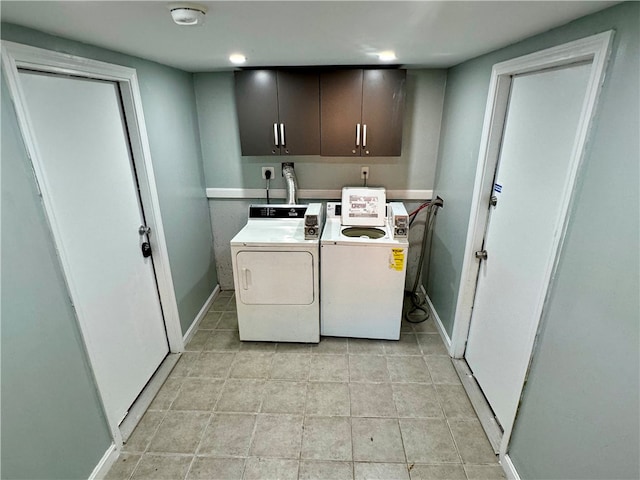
x: 91, y: 187
x: 533, y: 178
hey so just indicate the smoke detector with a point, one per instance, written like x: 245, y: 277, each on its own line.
x: 189, y: 14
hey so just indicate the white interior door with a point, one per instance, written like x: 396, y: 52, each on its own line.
x: 95, y: 213
x: 522, y: 233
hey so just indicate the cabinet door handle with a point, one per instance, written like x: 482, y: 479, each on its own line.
x: 358, y: 135
x: 275, y: 134
x: 364, y: 135
x: 282, y: 142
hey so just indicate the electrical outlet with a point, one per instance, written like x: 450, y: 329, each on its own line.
x: 268, y: 169
x: 364, y: 172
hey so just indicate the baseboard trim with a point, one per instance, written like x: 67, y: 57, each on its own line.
x: 201, y: 314
x: 509, y: 468
x: 105, y: 463
x: 439, y: 325
x: 310, y: 194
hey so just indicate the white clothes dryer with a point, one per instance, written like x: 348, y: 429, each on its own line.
x: 363, y: 274
x: 275, y: 260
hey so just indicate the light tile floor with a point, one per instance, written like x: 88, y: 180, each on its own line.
x: 342, y: 409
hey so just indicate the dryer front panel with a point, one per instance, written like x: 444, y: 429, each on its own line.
x: 275, y: 277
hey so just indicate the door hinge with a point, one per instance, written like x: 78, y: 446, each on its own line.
x: 481, y: 254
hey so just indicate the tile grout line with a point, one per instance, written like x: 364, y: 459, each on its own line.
x: 353, y: 460
x: 146, y: 450
x: 208, y: 423
x: 446, y: 419
x: 255, y: 422
x: 134, y: 468
x: 397, y: 419
x: 304, y: 415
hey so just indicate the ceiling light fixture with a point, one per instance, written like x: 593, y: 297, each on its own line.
x: 387, y: 56
x: 188, y: 14
x: 237, y: 58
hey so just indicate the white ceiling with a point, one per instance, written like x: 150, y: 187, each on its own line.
x: 292, y: 33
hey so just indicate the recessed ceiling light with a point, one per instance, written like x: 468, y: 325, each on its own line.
x: 187, y: 14
x: 237, y: 58
x: 387, y: 56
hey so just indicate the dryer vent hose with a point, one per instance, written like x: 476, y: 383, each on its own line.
x: 291, y: 183
x: 419, y: 310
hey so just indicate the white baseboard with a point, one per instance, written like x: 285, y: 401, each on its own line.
x: 105, y: 463
x: 439, y: 325
x: 201, y: 314
x: 509, y: 468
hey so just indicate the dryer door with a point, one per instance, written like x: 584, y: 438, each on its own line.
x: 275, y: 278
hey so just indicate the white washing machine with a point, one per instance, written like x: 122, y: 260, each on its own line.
x: 275, y: 261
x: 363, y: 252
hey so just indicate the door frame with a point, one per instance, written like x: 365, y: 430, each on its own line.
x: 596, y: 49
x: 14, y: 56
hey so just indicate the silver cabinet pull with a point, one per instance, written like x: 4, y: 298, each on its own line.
x: 364, y: 135
x: 358, y: 135
x: 275, y: 134
x: 282, y: 142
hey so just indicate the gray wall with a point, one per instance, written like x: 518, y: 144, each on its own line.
x: 52, y: 421
x: 168, y: 100
x: 579, y: 414
x: 225, y: 167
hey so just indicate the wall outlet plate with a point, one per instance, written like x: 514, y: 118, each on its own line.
x: 364, y: 172
x: 270, y: 169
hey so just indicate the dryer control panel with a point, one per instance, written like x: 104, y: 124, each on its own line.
x: 277, y: 211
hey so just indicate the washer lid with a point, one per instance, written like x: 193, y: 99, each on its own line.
x: 363, y: 206
x: 333, y: 234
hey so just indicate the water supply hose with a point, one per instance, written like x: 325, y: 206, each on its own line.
x: 419, y: 311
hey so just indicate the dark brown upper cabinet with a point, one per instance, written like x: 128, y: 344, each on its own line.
x: 361, y: 112
x: 278, y: 112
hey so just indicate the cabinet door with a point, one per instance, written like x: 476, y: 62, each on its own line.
x: 299, y: 112
x: 257, y: 107
x: 340, y: 112
x: 382, y: 112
